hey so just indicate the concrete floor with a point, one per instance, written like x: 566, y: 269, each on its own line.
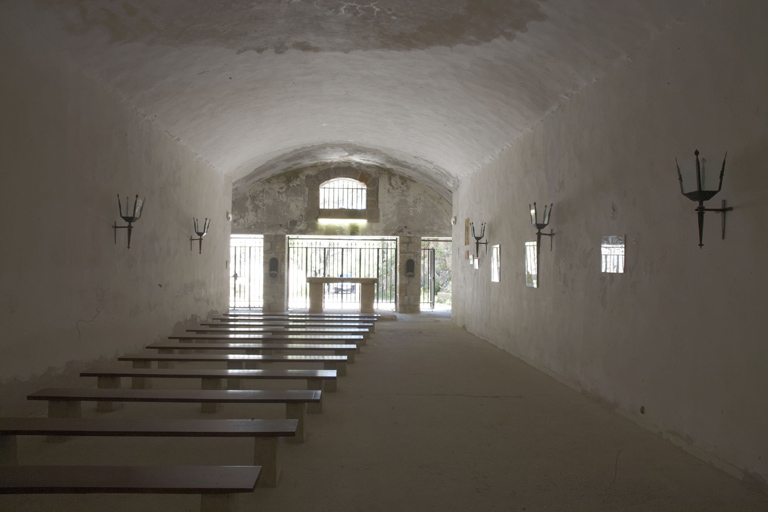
x: 429, y: 418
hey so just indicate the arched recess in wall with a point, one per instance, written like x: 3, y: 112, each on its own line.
x: 371, y: 211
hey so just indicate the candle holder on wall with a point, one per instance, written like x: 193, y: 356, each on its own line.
x: 200, y: 234
x: 479, y: 237
x: 129, y: 217
x: 541, y: 225
x: 704, y: 191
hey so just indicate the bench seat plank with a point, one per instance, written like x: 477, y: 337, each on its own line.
x: 316, y: 379
x: 265, y: 434
x: 148, y: 427
x: 287, y: 324
x: 273, y: 338
x: 65, y: 402
x: 261, y: 314
x: 281, y: 331
x: 128, y: 479
x: 179, y: 395
x: 196, y: 373
x: 334, y: 362
x: 348, y: 349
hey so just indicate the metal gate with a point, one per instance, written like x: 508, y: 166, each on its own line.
x: 246, y: 256
x: 342, y: 257
x: 428, y: 278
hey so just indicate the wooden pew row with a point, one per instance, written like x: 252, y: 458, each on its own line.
x: 237, y: 361
x: 266, y: 434
x: 66, y: 402
x: 308, y: 322
x: 291, y: 323
x: 356, y: 328
x: 273, y: 338
x: 328, y: 331
x: 314, y: 316
x: 217, y: 485
x: 340, y: 349
x: 324, y: 380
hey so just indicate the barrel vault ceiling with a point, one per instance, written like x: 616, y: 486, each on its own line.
x: 433, y: 89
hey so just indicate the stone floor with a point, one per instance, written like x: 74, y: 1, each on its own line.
x: 429, y: 418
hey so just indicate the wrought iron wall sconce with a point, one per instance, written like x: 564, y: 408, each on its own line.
x: 273, y: 263
x: 479, y: 237
x: 129, y: 217
x: 200, y: 234
x: 704, y: 191
x: 541, y: 225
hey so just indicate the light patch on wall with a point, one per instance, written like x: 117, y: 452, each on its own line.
x: 495, y: 264
x: 612, y: 254
x: 531, y: 266
x: 344, y: 222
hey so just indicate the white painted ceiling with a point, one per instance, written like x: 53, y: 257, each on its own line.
x: 430, y: 88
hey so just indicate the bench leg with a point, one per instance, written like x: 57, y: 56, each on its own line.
x: 141, y: 382
x: 316, y: 297
x: 8, y: 451
x: 367, y: 296
x: 296, y: 411
x: 210, y: 383
x: 165, y: 364
x: 350, y: 355
x: 315, y: 407
x: 341, y: 368
x: 105, y: 382
x: 265, y: 455
x: 234, y: 365
x: 62, y: 409
x: 224, y: 502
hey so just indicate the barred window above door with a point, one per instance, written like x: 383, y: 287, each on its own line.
x: 342, y: 194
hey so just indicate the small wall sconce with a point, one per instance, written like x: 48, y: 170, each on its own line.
x: 273, y: 267
x: 541, y: 225
x: 704, y: 191
x: 410, y: 268
x: 479, y: 237
x: 200, y: 234
x: 130, y: 218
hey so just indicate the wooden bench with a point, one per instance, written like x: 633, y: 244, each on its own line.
x: 237, y: 361
x: 309, y: 321
x: 282, y: 326
x: 273, y: 338
x: 266, y: 434
x: 340, y: 349
x: 217, y: 485
x: 324, y: 380
x: 373, y: 317
x: 329, y: 331
x: 65, y: 402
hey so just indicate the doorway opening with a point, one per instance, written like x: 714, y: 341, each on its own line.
x: 436, y: 273
x: 314, y: 256
x: 246, y: 257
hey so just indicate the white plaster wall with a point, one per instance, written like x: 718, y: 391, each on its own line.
x: 70, y: 296
x: 684, y: 332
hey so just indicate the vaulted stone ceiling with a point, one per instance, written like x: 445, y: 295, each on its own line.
x: 430, y: 88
